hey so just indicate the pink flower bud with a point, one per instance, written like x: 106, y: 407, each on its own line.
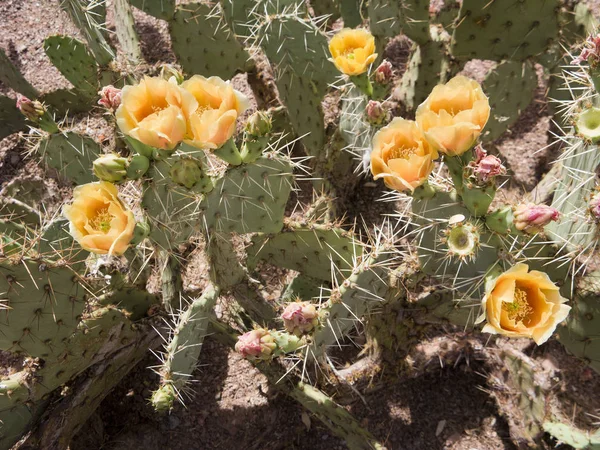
x: 110, y: 97
x: 383, y: 73
x: 300, y: 317
x: 376, y: 113
x: 594, y: 206
x: 591, y: 50
x: 485, y: 167
x: 257, y: 344
x: 533, y: 218
x: 33, y: 110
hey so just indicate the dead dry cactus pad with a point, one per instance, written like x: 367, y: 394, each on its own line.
x: 87, y: 289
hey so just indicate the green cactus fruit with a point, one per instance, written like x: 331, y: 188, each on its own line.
x: 187, y: 172
x: 588, y: 124
x: 478, y: 199
x: 215, y: 51
x: 286, y: 342
x: 73, y: 60
x: 125, y: 31
x: 164, y: 397
x: 11, y: 120
x: 137, y: 167
x: 496, y: 32
x: 256, y: 136
x: 45, y: 302
x: 11, y: 77
x: 510, y: 87
x: 500, y: 221
x: 110, y: 167
x: 161, y: 9
x: 140, y: 232
x: 317, y: 251
x: 86, y: 19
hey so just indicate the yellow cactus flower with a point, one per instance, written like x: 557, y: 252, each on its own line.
x: 353, y: 51
x: 401, y: 155
x: 153, y: 112
x: 453, y: 116
x: 212, y: 123
x: 523, y: 304
x: 98, y: 219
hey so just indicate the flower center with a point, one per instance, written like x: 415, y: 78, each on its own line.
x: 520, y: 309
x: 349, y: 53
x: 101, y: 220
x: 402, y: 152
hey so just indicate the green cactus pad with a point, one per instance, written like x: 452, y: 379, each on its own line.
x: 496, y: 31
x: 135, y: 302
x: 575, y: 229
x: 299, y: 55
x: 427, y: 67
x: 71, y: 155
x: 465, y: 275
x: 441, y: 307
x: 68, y: 101
x: 385, y: 18
x: 125, y: 30
x: 316, y: 251
x: 355, y: 297
x: 44, y: 305
x: 570, y: 435
x: 11, y: 77
x: 11, y: 119
x: 161, y: 9
x: 579, y: 334
x: 510, y: 87
x: 185, y: 343
x: 203, y: 44
x: 250, y: 198
x: 72, y: 58
x: 17, y: 211
x: 14, y: 422
x: 302, y: 287
x: 90, y: 25
x: 238, y: 13
x: 415, y: 17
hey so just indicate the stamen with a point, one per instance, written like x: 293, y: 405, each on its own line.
x: 520, y: 309
x: 101, y: 221
x: 402, y: 152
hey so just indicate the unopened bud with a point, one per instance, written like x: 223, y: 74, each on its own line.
x: 110, y: 97
x: 32, y: 110
x: 186, y: 172
x: 485, y: 167
x: 168, y: 71
x: 259, y: 124
x: 110, y: 167
x: 383, y: 73
x: 300, y: 317
x: 532, y: 218
x: 257, y: 344
x: 376, y: 113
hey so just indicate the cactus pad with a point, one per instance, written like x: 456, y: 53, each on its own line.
x: 510, y: 88
x: 11, y: 77
x: 125, y: 30
x: 316, y: 251
x: 203, y: 43
x: 72, y: 58
x: 71, y: 155
x: 161, y: 9
x: 497, y: 31
x: 43, y: 302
